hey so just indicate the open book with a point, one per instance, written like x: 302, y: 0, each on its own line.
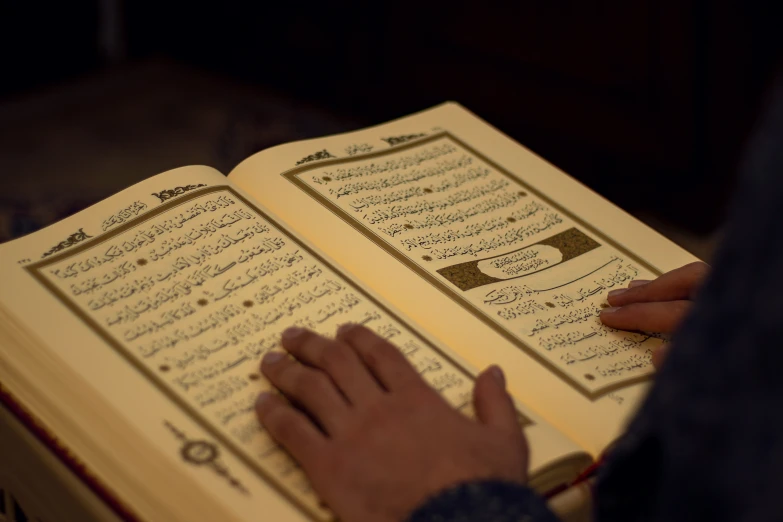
x: 131, y: 332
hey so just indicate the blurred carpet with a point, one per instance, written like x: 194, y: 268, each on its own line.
x: 67, y: 147
x: 70, y: 146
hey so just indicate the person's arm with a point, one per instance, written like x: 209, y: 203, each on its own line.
x: 484, y: 501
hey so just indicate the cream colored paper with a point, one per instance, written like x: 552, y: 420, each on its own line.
x: 154, y: 307
x: 455, y: 155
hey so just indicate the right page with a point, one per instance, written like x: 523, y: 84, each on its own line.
x: 499, y: 254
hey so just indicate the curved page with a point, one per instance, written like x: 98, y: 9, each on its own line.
x: 165, y: 301
x: 501, y: 255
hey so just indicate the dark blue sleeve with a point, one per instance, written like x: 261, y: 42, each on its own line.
x: 708, y: 442
x: 484, y: 501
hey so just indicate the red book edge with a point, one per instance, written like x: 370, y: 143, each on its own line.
x: 67, y: 457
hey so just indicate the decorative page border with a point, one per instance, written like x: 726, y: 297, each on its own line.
x: 35, y: 269
x: 292, y: 175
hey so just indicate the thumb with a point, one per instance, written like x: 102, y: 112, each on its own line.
x: 492, y: 403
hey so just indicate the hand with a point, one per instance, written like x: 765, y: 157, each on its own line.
x: 657, y: 306
x: 376, y: 441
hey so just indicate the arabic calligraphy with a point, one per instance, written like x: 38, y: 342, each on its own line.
x: 459, y: 219
x: 167, y: 194
x: 123, y: 215
x: 76, y: 237
x: 198, y: 296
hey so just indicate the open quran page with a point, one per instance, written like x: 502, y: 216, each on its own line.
x: 134, y: 333
x: 503, y: 257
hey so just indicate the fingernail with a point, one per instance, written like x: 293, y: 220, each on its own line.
x: 614, y: 293
x: 289, y: 334
x: 273, y: 357
x: 638, y: 282
x: 609, y: 310
x: 497, y: 374
x: 263, y: 398
x: 345, y: 328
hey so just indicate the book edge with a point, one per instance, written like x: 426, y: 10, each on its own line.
x: 68, y: 458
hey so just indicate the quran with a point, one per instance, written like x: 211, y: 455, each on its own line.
x: 131, y: 333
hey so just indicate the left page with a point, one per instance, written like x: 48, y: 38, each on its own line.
x: 163, y: 302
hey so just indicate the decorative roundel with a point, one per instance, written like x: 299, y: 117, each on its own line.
x: 199, y: 452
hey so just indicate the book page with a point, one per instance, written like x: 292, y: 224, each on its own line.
x: 179, y: 299
x: 501, y: 255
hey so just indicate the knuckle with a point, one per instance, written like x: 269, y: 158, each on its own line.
x: 288, y: 379
x: 284, y: 427
x: 273, y: 419
x: 309, y: 386
x: 629, y: 311
x: 631, y: 316
x: 297, y: 381
x: 317, y: 384
x: 333, y: 357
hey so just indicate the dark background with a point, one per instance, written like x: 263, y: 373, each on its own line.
x: 648, y: 102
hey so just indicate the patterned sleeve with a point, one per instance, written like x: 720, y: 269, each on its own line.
x: 485, y: 501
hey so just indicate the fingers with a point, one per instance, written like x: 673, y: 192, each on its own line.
x: 655, y: 306
x: 647, y: 317
x: 492, y: 403
x: 310, y: 388
x: 386, y: 363
x: 290, y: 428
x: 337, y: 359
x: 679, y: 284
